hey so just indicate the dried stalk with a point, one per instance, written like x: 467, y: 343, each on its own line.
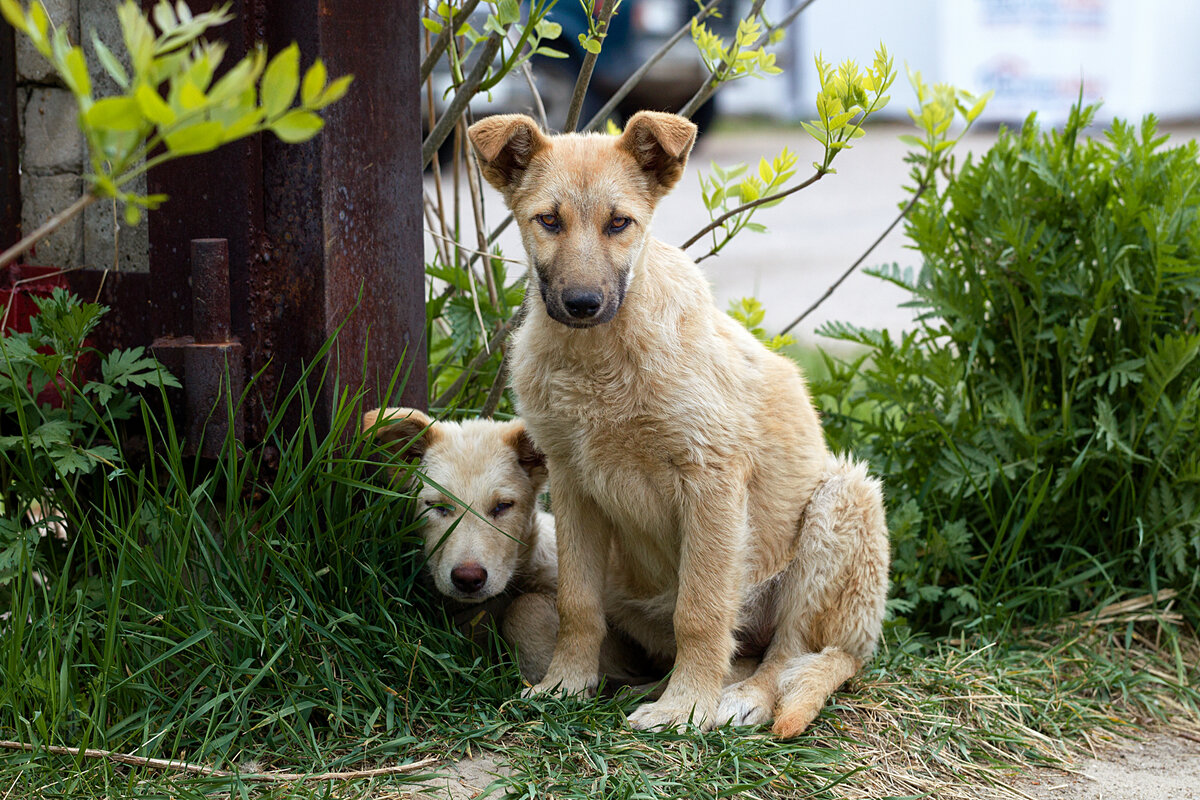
x: 46, y: 228
x: 585, y: 71
x: 633, y: 80
x: 213, y: 772
x: 462, y: 96
x: 443, y: 39
x: 903, y: 213
x: 499, y: 336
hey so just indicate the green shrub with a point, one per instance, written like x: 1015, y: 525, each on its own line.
x: 1036, y: 431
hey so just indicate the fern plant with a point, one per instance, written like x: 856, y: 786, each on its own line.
x: 57, y: 427
x: 1036, y: 430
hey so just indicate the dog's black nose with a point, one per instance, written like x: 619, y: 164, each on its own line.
x: 581, y: 303
x: 469, y: 577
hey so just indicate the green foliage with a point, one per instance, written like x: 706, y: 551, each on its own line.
x: 42, y: 445
x: 726, y: 189
x: 848, y: 95
x: 738, y: 59
x: 196, y: 115
x: 1036, y: 430
x: 750, y: 312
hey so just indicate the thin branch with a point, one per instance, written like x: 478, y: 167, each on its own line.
x: 437, y: 167
x: 585, y: 71
x: 903, y: 213
x: 48, y: 227
x: 497, y: 391
x: 636, y: 78
x: 716, y: 79
x: 527, y: 73
x: 462, y: 96
x: 706, y: 91
x: 474, y: 252
x: 716, y: 223
x: 473, y: 185
x: 499, y: 336
x: 201, y: 769
x: 443, y: 39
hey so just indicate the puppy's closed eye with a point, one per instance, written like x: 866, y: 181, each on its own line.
x: 442, y: 509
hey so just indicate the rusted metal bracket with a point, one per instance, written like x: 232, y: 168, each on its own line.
x: 209, y: 361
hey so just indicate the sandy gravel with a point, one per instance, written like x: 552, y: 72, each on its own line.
x: 1162, y: 767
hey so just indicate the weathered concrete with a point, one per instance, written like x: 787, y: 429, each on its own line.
x: 43, y: 196
x: 32, y: 67
x: 109, y: 242
x: 53, y: 143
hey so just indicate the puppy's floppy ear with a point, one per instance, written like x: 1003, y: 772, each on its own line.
x: 532, y: 460
x: 660, y: 144
x: 505, y: 144
x: 397, y: 427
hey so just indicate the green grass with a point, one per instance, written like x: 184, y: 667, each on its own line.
x: 254, y: 616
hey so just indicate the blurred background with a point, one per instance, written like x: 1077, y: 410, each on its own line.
x: 1135, y: 56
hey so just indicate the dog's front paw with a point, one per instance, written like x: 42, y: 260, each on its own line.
x: 673, y: 714
x: 745, y: 703
x: 564, y: 685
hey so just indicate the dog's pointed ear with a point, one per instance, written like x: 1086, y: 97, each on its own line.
x: 397, y: 427
x: 660, y: 144
x: 505, y: 144
x: 532, y: 460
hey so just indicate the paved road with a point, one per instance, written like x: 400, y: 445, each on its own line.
x: 813, y: 235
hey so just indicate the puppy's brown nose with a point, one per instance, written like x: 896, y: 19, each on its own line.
x: 468, y: 578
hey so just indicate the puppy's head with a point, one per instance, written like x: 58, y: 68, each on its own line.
x: 583, y: 202
x: 492, y: 467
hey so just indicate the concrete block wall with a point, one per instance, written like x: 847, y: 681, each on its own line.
x: 54, y: 155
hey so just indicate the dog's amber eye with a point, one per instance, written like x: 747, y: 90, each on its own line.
x: 549, y: 221
x: 618, y: 224
x: 500, y: 508
x: 441, y: 509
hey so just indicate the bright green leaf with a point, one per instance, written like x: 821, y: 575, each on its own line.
x: 116, y: 113
x: 111, y: 64
x: 281, y: 81
x: 314, y: 83
x: 152, y: 106
x: 297, y: 126
x: 197, y: 138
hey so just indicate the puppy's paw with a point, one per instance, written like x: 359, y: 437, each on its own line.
x: 666, y: 714
x: 564, y: 685
x: 745, y: 703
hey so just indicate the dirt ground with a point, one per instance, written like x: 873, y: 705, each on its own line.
x: 1164, y: 766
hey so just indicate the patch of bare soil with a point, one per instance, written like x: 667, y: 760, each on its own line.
x: 1164, y: 766
x: 464, y: 779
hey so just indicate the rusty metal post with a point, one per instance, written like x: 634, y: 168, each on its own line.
x: 213, y: 364
x: 361, y: 268
x: 10, y: 144
x: 320, y: 234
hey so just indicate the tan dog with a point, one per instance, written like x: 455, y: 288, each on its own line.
x: 697, y: 506
x: 503, y: 541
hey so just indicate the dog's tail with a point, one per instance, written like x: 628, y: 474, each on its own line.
x: 806, y: 684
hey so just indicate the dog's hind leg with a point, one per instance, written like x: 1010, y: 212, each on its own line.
x: 830, y: 606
